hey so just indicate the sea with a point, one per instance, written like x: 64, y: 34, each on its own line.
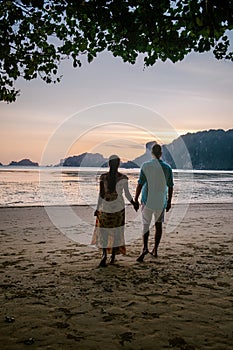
x: 55, y: 186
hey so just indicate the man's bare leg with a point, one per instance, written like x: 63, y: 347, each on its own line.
x: 158, y: 235
x: 145, y: 247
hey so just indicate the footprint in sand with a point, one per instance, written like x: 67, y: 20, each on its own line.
x: 126, y: 337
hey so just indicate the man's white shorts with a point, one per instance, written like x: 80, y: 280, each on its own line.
x: 147, y: 214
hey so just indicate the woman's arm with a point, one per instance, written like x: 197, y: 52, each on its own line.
x: 128, y: 195
x: 126, y: 190
x: 101, y: 196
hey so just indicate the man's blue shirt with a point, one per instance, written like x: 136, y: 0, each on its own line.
x: 155, y: 177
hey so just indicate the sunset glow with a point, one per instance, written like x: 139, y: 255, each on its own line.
x: 116, y: 107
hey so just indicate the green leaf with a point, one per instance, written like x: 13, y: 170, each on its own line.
x: 37, y: 35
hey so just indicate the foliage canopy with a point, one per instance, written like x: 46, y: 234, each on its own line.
x: 36, y: 35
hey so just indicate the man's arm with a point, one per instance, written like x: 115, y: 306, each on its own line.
x: 141, y: 181
x: 137, y: 194
x: 169, y: 200
x: 138, y: 191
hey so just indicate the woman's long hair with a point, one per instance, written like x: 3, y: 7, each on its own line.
x: 114, y: 162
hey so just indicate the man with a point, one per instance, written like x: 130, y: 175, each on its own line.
x: 156, y: 184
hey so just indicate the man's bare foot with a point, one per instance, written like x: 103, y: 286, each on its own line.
x: 154, y: 253
x: 143, y: 254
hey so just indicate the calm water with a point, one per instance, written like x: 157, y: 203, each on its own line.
x: 30, y: 186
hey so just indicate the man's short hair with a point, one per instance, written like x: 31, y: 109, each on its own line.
x: 156, y: 150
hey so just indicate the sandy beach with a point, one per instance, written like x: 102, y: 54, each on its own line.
x: 54, y: 296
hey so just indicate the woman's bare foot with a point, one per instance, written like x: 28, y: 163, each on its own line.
x: 112, y: 260
x: 103, y: 262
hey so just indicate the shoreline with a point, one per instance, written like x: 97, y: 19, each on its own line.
x: 127, y: 205
x: 70, y: 168
x: 54, y: 296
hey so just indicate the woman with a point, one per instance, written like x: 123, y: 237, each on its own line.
x: 110, y: 212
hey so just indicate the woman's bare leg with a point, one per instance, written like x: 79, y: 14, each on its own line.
x: 112, y: 260
x: 104, y: 258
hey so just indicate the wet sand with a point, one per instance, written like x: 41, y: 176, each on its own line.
x: 54, y: 296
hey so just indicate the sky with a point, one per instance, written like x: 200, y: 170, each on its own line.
x: 113, y: 107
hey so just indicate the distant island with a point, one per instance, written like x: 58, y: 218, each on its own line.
x: 23, y: 162
x: 85, y: 160
x: 206, y: 150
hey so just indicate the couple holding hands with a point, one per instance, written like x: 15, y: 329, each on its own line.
x: 155, y: 184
